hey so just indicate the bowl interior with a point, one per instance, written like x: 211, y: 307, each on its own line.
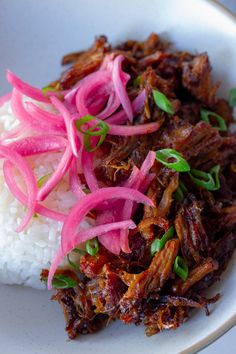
x: 33, y: 38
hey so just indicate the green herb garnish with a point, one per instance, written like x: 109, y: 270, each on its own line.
x: 207, y: 180
x: 43, y: 180
x: 79, y: 251
x: 92, y: 247
x: 181, y: 268
x: 61, y: 281
x: 163, y: 102
x: 48, y: 89
x: 179, y: 164
x: 158, y: 244
x: 72, y: 264
x: 232, y: 97
x: 136, y: 81
x: 180, y: 191
x: 100, y: 130
x: 221, y: 122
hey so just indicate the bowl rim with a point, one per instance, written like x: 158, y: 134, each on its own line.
x: 230, y: 15
x: 231, y: 322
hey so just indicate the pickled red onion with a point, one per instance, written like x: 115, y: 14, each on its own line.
x: 121, y: 117
x: 88, y: 170
x: 71, y: 132
x: 130, y: 130
x: 38, y: 144
x: 25, y: 88
x: 75, y: 183
x: 5, y: 98
x: 82, y: 237
x: 41, y: 114
x: 120, y: 80
x: 19, y: 110
x: 62, y: 168
x: 29, y: 179
x: 19, y: 195
x: 90, y: 201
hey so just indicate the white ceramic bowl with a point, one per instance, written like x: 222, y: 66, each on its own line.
x: 33, y: 38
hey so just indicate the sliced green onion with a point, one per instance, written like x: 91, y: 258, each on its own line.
x: 214, y: 171
x: 92, y: 247
x: 43, y: 180
x: 61, y: 281
x: 179, y: 195
x: 86, y: 190
x: 232, y: 97
x: 180, y: 164
x: 100, y: 130
x: 158, y: 244
x: 79, y: 251
x: 209, y: 181
x: 180, y: 191
x: 136, y: 81
x: 221, y: 122
x: 72, y: 264
x: 163, y: 102
x: 181, y: 268
x: 48, y: 88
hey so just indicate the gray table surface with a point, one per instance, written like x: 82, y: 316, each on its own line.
x: 227, y: 343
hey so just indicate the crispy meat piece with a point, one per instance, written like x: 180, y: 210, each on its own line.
x: 91, y: 266
x: 140, y: 285
x: 146, y: 226
x: 165, y: 317
x: 191, y: 232
x: 222, y: 253
x: 196, y: 78
x: 116, y: 165
x: 106, y: 291
x: 202, y: 141
x: 184, y: 301
x: 207, y: 266
x: 78, y: 311
x: 84, y: 63
x: 223, y: 108
x: 163, y: 201
x: 150, y: 59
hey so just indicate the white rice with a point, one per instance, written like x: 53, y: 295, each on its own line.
x: 23, y: 255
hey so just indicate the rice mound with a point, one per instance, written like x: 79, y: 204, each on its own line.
x: 23, y: 255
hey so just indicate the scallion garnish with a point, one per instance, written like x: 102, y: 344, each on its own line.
x: 214, y: 171
x: 179, y: 195
x: 136, y: 81
x: 79, y: 251
x: 48, y: 88
x: 163, y: 102
x: 181, y: 268
x: 92, y: 247
x: 72, y: 264
x: 180, y: 191
x: 43, y: 180
x: 221, y: 122
x: 61, y: 281
x: 100, y: 130
x: 207, y: 180
x: 232, y: 97
x: 180, y: 164
x: 158, y: 244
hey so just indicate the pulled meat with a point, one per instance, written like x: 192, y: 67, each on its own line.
x: 138, y: 287
x: 196, y: 78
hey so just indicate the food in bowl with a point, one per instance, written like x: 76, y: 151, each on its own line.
x: 129, y: 156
